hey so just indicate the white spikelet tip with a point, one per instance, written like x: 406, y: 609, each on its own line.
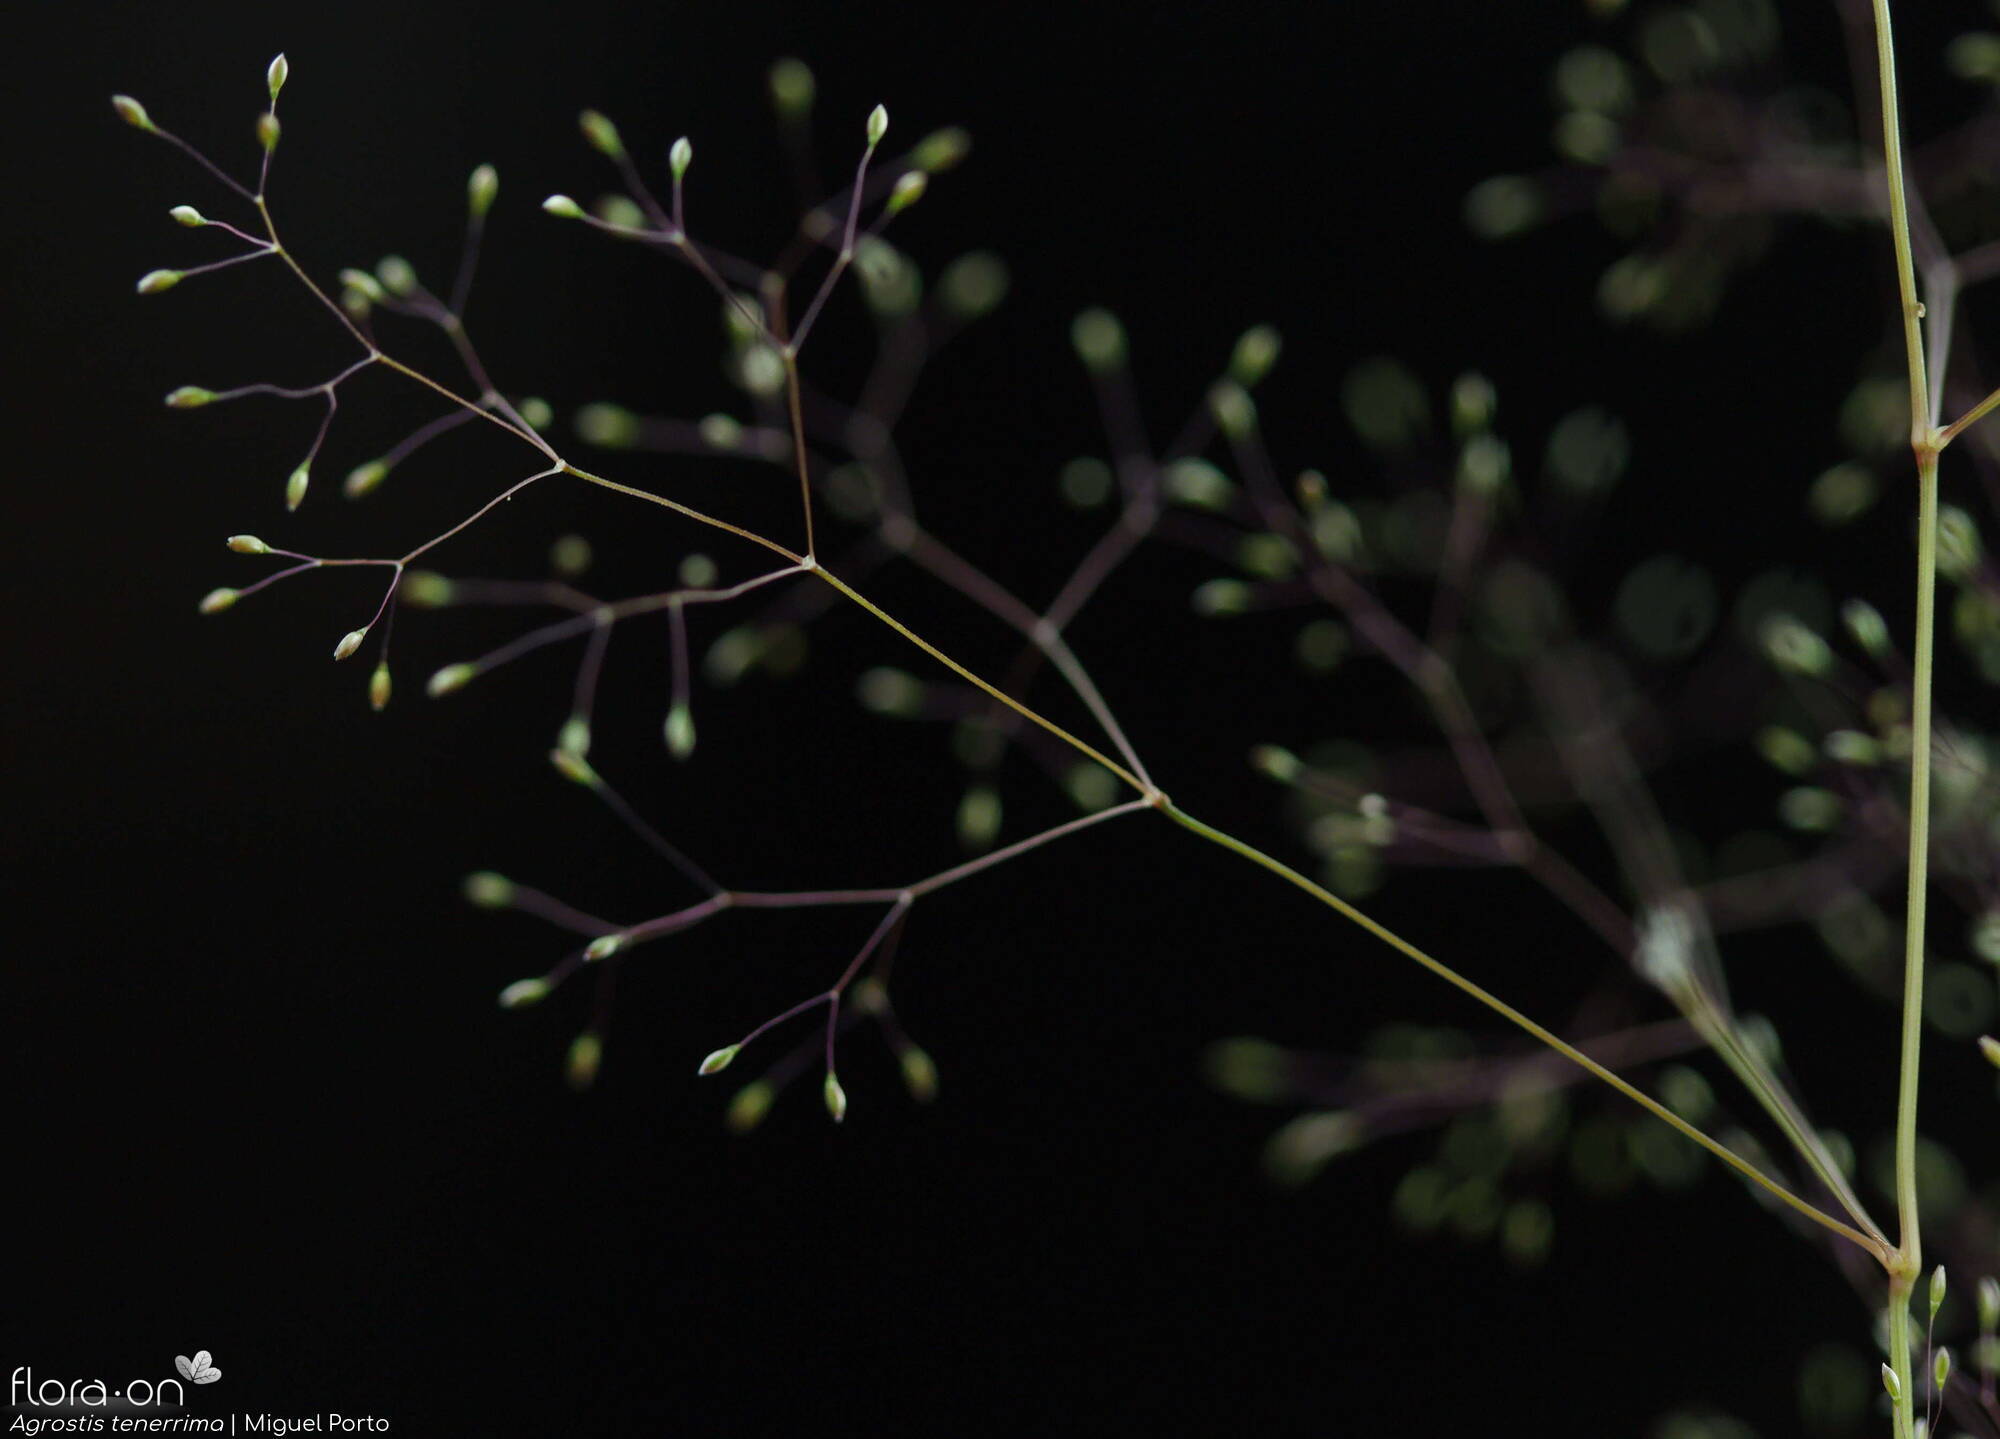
x: 603, y: 947
x: 878, y: 125
x: 131, y: 112
x: 275, y: 76
x: 216, y: 601
x: 349, y: 643
x: 680, y: 157
x: 563, y: 208
x: 836, y: 1097
x: 189, y: 216
x: 719, y: 1060
x: 248, y: 545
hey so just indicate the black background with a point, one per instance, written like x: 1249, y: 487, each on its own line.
x: 260, y: 1099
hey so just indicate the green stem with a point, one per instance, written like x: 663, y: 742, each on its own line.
x: 1514, y: 1016
x: 1925, y: 440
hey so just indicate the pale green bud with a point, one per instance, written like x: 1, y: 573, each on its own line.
x: 972, y: 285
x: 153, y: 282
x: 1192, y: 480
x: 621, y: 212
x: 1474, y: 402
x: 749, y: 1106
x: 1099, y: 340
x: 539, y: 413
x: 378, y: 687
x: 398, y: 276
x: 248, y: 545
x: 941, y: 149
x: 451, y: 677
x: 1937, y: 1290
x: 603, y: 947
x: 189, y: 216
x: 1892, y: 1382
x: 1274, y: 762
x: 792, y: 88
x: 574, y: 737
x: 1866, y: 624
x: 131, y: 112
x: 1787, y: 749
x: 698, y: 571
x: 721, y: 432
x: 189, y: 397
x: 363, y: 479
x: 563, y: 208
x: 878, y: 126
x: 570, y: 556
x: 680, y: 732
x: 611, y: 426
x: 719, y: 1060
x: 295, y: 485
x: 909, y: 189
x: 680, y: 156
x: 1235, y: 412
x: 889, y: 691
x: 275, y: 76
x: 216, y: 601
x: 1958, y: 544
x: 1484, y: 464
x: 267, y: 131
x: 365, y: 284
x: 1990, y: 1047
x: 919, y: 1074
x: 1792, y: 646
x: 349, y: 643
x: 1255, y: 353
x: 481, y: 189
x: 1989, y: 1287
x: 488, y: 890
x: 573, y: 766
x: 979, y: 814
x: 524, y: 992
x: 602, y: 134
x: 1222, y: 597
x: 586, y: 1053
x: 1941, y: 1364
x: 836, y: 1097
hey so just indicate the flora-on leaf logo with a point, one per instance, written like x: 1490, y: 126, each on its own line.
x: 198, y: 1370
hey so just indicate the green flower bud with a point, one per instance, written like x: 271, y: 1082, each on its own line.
x: 154, y: 282
x: 792, y: 89
x: 189, y: 397
x: 248, y: 545
x: 941, y: 149
x: 451, y: 677
x: 349, y: 643
x: 1937, y: 1290
x: 267, y: 131
x: 1941, y: 1368
x: 363, y: 479
x: 574, y: 737
x: 295, y: 485
x: 397, y: 275
x: 488, y: 890
x: 189, y: 216
x: 972, y: 285
x: 919, y: 1074
x: 1892, y: 1382
x: 603, y: 947
x: 719, y: 1060
x: 602, y: 134
x: 1989, y: 1291
x: 680, y: 732
x: 572, y: 767
x: 216, y: 601
x: 680, y: 156
x: 131, y: 112
x: 1275, y: 763
x: 749, y: 1106
x: 481, y: 189
x: 1099, y: 341
x: 1256, y: 351
x: 1990, y: 1047
x: 563, y: 208
x: 586, y: 1053
x: 878, y: 126
x: 275, y: 76
x: 378, y: 687
x: 836, y: 1097
x: 524, y: 992
x: 1235, y: 412
x: 909, y: 189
